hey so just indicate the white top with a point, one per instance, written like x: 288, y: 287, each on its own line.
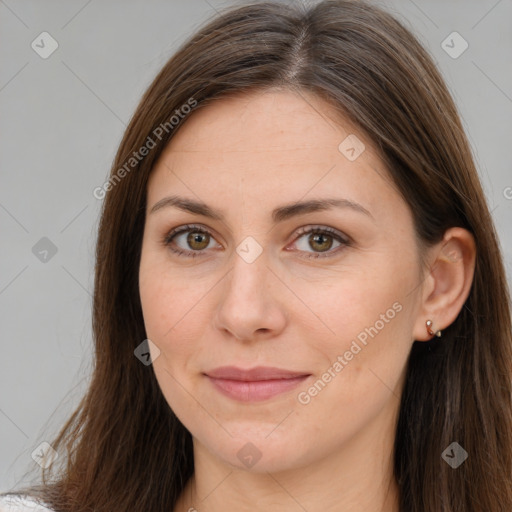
x: 21, y: 503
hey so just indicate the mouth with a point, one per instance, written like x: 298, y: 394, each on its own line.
x: 256, y: 384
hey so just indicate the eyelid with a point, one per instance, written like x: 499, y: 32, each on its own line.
x: 342, y: 238
x: 312, y: 228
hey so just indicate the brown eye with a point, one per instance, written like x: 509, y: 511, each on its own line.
x: 192, y: 241
x: 188, y: 241
x: 196, y: 240
x: 320, y: 240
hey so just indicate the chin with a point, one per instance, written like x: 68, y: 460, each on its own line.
x: 254, y: 450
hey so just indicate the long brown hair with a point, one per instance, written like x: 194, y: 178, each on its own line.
x: 124, y: 448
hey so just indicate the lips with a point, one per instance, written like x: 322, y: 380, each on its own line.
x: 254, y: 374
x: 255, y: 384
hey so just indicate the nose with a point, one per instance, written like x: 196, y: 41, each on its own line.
x: 251, y: 303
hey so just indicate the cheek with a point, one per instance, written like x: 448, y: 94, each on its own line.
x: 369, y: 315
x: 356, y: 304
x: 167, y: 307
x: 361, y: 373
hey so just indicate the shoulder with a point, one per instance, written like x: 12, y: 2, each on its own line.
x: 21, y: 503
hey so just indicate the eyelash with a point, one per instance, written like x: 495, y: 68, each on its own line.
x: 345, y: 242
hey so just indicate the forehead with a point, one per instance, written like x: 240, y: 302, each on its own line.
x: 260, y: 121
x: 269, y: 146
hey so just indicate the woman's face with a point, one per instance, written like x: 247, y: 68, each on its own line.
x: 251, y: 287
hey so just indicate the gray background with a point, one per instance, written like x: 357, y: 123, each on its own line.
x: 61, y: 121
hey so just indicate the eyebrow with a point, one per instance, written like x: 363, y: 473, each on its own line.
x: 279, y: 214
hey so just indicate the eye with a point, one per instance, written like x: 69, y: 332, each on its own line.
x: 198, y: 239
x: 321, y: 239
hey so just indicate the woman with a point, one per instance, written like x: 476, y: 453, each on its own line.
x: 300, y: 303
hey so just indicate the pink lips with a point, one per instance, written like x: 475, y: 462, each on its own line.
x: 256, y: 384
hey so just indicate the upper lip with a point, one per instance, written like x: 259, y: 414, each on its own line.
x: 253, y: 374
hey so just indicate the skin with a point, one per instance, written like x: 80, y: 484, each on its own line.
x: 246, y: 155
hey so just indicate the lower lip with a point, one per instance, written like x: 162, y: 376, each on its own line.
x: 254, y: 391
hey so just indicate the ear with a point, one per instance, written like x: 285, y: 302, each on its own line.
x: 447, y: 283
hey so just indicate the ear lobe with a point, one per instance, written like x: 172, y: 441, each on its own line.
x: 452, y: 266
